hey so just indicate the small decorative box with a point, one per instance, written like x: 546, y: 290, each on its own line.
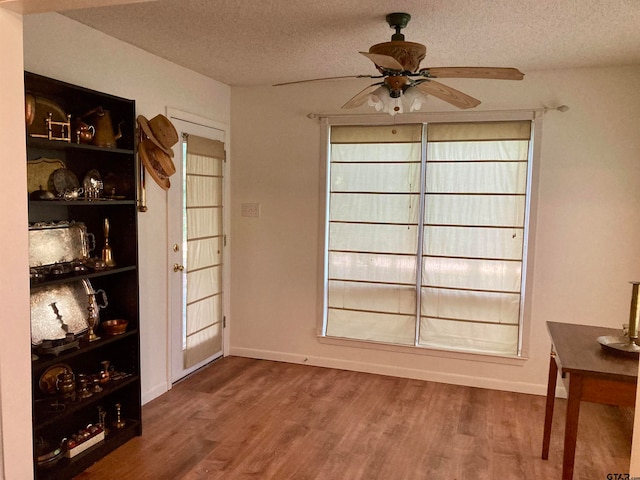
x: 84, y: 439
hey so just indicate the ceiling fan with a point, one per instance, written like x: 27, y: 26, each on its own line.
x: 398, y: 64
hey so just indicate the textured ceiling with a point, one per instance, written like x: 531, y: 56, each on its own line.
x: 25, y: 7
x: 249, y: 42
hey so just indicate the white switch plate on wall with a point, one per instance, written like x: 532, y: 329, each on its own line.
x: 250, y: 209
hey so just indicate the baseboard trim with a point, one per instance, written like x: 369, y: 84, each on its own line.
x: 381, y: 369
x: 154, y: 393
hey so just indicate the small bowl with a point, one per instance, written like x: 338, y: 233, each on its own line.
x: 48, y: 460
x: 114, y: 327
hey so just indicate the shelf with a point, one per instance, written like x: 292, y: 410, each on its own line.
x: 92, y: 203
x: 71, y: 277
x: 46, y: 144
x: 74, y: 406
x: 69, y: 467
x: 44, y: 362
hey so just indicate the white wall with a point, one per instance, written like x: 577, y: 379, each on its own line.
x: 15, y: 354
x: 94, y: 60
x: 585, y: 248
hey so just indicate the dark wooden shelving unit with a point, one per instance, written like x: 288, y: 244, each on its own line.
x: 56, y: 416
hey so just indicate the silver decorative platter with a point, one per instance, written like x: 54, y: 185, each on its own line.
x: 619, y: 345
x: 61, y: 242
x: 72, y: 302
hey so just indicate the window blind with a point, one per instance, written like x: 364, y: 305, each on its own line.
x: 373, y: 224
x: 426, y: 234
x: 475, y: 199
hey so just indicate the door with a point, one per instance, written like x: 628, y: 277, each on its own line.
x: 197, y: 245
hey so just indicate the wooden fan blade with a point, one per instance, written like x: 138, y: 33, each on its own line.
x: 385, y: 61
x: 323, y: 79
x: 448, y: 94
x: 474, y: 72
x: 361, y: 96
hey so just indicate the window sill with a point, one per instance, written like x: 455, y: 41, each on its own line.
x: 429, y: 351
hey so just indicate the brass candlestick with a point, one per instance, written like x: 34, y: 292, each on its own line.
x: 102, y: 414
x: 83, y: 389
x: 628, y: 342
x: 634, y: 314
x: 119, y: 423
x: 92, y: 319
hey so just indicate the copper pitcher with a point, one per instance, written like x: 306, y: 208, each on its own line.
x: 81, y: 132
x: 104, y: 135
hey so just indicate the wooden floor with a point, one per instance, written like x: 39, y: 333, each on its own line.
x: 252, y: 419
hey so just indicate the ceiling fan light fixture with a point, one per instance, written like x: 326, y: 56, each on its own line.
x: 396, y: 101
x: 414, y: 98
x: 382, y: 101
x: 377, y: 98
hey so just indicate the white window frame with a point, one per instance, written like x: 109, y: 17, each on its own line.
x: 535, y: 116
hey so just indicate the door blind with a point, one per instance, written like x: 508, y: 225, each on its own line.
x: 203, y: 200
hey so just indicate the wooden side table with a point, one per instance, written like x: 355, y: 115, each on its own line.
x: 593, y: 376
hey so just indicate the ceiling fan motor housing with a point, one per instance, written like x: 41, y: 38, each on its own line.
x: 408, y: 54
x: 396, y: 85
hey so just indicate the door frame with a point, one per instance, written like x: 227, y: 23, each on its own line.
x: 181, y: 118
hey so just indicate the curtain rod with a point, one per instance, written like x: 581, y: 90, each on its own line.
x: 536, y: 111
x: 198, y: 123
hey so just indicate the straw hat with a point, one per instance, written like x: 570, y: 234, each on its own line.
x: 160, y: 131
x: 157, y: 163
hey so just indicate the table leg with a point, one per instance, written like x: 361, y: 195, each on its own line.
x: 571, y: 425
x: 551, y: 396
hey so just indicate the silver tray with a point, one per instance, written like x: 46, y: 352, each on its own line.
x: 61, y: 242
x: 72, y: 301
x: 39, y: 173
x: 619, y: 345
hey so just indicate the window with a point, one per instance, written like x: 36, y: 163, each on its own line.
x: 426, y: 234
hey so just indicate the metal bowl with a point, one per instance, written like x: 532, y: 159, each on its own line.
x: 48, y: 459
x: 114, y: 327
